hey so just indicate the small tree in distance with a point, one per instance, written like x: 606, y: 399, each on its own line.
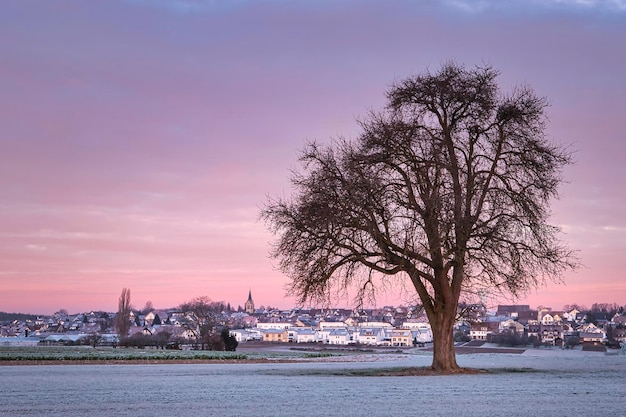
x: 447, y: 188
x: 572, y: 341
x: 230, y: 342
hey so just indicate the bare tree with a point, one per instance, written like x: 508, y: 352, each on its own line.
x: 202, y: 307
x: 148, y: 307
x: 206, y: 311
x: 447, y: 188
x: 122, y: 319
x: 93, y: 339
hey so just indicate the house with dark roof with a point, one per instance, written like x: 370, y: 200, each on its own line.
x: 551, y: 334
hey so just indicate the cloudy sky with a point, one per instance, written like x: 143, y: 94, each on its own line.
x: 140, y: 138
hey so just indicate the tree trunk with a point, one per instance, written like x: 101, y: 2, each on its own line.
x: 444, y: 358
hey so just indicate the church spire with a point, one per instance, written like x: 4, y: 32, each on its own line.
x: 250, y: 303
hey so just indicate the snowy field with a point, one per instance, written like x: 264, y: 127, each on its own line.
x: 536, y: 383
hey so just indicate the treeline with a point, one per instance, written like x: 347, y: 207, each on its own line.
x: 205, y: 307
x: 598, y: 311
x: 221, y: 341
x: 597, y: 308
x: 9, y: 317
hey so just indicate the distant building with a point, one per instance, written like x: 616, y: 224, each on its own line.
x: 275, y: 335
x: 512, y: 310
x: 480, y: 331
x: 249, y: 303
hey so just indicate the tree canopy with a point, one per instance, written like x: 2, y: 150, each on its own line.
x: 449, y: 187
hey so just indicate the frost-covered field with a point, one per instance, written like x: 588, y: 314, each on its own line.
x: 538, y: 382
x: 84, y: 353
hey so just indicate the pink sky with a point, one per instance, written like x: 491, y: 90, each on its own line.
x: 140, y: 138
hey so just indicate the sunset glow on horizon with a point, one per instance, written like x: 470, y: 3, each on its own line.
x: 140, y: 139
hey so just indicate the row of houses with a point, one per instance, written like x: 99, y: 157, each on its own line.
x: 332, y: 326
x: 548, y: 327
x: 339, y: 333
x: 389, y: 326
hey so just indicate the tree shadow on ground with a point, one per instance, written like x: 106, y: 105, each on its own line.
x: 400, y: 371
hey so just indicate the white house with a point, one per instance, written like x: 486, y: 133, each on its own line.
x: 373, y: 336
x: 273, y: 326
x: 376, y: 324
x: 422, y: 332
x: 479, y: 331
x: 244, y: 335
x: 180, y: 332
x: 512, y: 326
x: 415, y: 324
x: 547, y: 319
x: 324, y: 325
x: 322, y: 336
x: 339, y: 337
x: 422, y: 335
x: 305, y: 335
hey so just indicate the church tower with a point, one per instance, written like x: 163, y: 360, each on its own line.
x: 249, y: 304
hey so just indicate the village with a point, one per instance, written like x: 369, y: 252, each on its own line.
x: 400, y: 327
